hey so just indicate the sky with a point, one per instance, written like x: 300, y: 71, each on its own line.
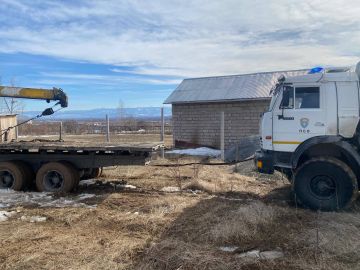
x: 107, y: 52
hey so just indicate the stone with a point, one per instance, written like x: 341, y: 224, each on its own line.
x: 262, y: 255
x: 228, y: 249
x: 170, y: 189
x: 253, y: 254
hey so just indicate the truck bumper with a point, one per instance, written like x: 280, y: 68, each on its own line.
x: 264, y: 161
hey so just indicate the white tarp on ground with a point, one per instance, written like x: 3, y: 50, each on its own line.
x: 201, y: 151
x: 10, y: 198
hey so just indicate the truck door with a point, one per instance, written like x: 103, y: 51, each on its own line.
x: 298, y: 116
x: 348, y: 107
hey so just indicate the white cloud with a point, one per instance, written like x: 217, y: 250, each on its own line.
x: 74, y: 78
x: 175, y: 38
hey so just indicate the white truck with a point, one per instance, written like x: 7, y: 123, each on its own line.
x: 311, y: 133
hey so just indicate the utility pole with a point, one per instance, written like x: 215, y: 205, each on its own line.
x: 60, y: 131
x: 107, y: 129
x: 162, y: 132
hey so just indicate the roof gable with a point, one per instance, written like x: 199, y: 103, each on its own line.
x: 228, y: 88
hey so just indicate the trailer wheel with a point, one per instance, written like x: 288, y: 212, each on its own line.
x: 95, y: 173
x: 86, y: 174
x: 12, y: 176
x: 91, y: 173
x: 56, y: 177
x: 28, y: 173
x: 75, y: 172
x: 325, y: 184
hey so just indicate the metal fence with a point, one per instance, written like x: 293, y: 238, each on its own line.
x: 114, y: 130
x: 98, y: 127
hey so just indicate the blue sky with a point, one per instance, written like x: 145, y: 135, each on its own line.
x: 89, y: 85
x: 101, y: 52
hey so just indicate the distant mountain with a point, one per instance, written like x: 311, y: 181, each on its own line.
x: 139, y: 113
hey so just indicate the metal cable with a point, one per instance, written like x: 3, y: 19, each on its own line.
x: 26, y: 121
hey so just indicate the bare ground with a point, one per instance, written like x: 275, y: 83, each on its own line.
x: 146, y: 228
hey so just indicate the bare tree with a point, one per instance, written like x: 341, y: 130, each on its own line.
x: 12, y: 105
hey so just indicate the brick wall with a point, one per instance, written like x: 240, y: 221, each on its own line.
x: 199, y: 124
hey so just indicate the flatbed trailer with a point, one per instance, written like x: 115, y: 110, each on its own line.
x: 56, y: 166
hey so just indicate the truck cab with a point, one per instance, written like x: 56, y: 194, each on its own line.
x: 313, y: 120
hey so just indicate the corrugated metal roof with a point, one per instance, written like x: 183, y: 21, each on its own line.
x: 228, y: 88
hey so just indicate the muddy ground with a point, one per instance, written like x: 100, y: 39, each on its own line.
x: 127, y: 220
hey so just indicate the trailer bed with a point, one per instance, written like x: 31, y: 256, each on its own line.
x: 83, y: 155
x: 79, y: 146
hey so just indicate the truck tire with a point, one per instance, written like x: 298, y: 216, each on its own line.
x: 95, y: 173
x: 75, y: 172
x: 288, y: 174
x: 56, y: 177
x: 12, y: 176
x: 85, y: 174
x: 91, y: 173
x: 28, y: 173
x: 326, y: 184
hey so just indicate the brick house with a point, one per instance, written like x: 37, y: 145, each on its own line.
x: 197, y: 105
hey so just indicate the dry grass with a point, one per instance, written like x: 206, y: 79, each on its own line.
x: 193, y: 243
x: 109, y: 237
x: 150, y: 229
x: 247, y: 224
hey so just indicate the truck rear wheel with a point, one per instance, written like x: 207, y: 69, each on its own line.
x: 56, y: 177
x: 12, y: 176
x: 325, y: 184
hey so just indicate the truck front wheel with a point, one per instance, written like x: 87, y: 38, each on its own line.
x: 325, y: 184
